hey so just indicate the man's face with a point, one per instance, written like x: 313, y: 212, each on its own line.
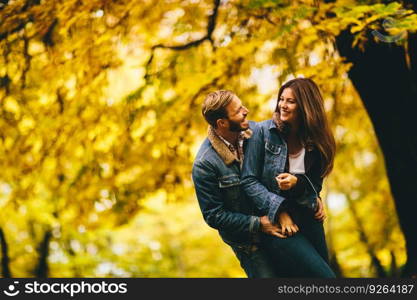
x: 236, y: 114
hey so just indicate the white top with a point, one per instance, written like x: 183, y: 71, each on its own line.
x: 297, y: 162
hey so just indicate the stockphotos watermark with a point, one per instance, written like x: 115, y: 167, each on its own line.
x: 387, y: 24
x: 62, y: 288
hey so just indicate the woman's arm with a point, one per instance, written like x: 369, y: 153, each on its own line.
x: 286, y: 223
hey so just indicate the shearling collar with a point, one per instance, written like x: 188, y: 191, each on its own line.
x: 221, y: 148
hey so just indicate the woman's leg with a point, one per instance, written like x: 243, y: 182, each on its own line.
x: 312, y: 230
x: 296, y: 257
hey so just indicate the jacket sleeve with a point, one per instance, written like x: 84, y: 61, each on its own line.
x: 212, y: 206
x: 265, y: 201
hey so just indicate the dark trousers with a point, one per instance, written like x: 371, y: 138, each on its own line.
x: 303, y: 255
x: 256, y: 263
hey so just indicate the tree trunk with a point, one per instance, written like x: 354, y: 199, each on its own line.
x: 385, y: 76
x: 42, y: 268
x: 394, y: 267
x: 5, y: 260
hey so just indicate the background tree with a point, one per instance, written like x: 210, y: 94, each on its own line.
x: 385, y: 75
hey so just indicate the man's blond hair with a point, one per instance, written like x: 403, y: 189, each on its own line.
x: 214, y: 106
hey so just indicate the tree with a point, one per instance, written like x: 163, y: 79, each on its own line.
x: 385, y: 76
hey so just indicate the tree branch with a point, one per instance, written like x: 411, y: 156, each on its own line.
x: 27, y: 58
x: 210, y: 29
x: 22, y: 24
x: 364, y: 239
x: 47, y: 38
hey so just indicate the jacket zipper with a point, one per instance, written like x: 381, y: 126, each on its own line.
x: 317, y: 195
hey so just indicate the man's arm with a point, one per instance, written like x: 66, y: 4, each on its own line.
x: 212, y: 206
x: 214, y: 213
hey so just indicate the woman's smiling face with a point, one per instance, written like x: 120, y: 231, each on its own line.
x: 288, y: 107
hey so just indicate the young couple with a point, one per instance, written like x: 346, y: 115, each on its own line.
x: 259, y: 184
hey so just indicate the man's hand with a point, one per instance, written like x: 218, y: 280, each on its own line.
x: 269, y: 228
x: 320, y: 213
x: 287, y: 225
x: 286, y: 181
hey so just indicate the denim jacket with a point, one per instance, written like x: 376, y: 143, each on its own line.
x: 265, y: 158
x: 216, y: 176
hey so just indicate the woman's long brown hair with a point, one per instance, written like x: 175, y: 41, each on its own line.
x: 314, y: 129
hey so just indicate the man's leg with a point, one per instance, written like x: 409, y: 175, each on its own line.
x: 256, y: 263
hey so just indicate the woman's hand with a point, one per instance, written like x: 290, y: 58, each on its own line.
x: 269, y: 228
x: 320, y: 213
x: 286, y: 181
x: 288, y: 227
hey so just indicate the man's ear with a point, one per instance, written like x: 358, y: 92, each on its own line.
x: 222, y: 123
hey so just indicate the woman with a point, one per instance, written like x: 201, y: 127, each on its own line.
x: 285, y: 163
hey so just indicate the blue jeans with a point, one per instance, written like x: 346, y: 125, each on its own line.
x: 256, y: 263
x: 303, y: 255
x: 296, y: 257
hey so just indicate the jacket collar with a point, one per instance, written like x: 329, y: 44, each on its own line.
x: 224, y: 152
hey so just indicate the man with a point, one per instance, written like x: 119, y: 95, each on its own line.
x: 216, y: 176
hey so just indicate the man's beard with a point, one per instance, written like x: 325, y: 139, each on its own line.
x: 235, y: 126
